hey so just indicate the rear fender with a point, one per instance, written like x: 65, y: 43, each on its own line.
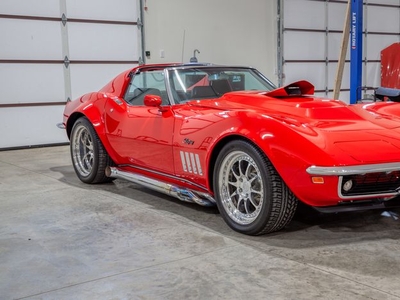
x: 92, y: 110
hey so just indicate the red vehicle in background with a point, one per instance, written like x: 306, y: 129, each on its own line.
x: 226, y: 136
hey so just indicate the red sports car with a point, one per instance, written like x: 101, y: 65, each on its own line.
x: 226, y: 135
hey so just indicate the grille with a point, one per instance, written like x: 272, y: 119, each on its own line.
x: 371, y: 183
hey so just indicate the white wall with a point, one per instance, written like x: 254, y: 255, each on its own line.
x: 100, y: 39
x: 224, y: 31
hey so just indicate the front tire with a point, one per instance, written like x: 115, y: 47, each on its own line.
x: 88, y: 155
x: 250, y: 194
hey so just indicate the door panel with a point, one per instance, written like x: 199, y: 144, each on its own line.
x: 141, y: 135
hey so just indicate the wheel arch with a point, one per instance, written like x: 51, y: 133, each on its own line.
x: 93, y: 113
x: 71, y: 121
x: 90, y: 106
x: 94, y: 116
x: 217, y: 149
x: 278, y: 205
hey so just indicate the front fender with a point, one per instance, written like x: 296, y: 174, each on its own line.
x: 290, y: 147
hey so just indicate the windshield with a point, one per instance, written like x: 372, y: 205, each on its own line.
x: 213, y: 82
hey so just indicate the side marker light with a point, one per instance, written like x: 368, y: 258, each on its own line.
x: 318, y: 180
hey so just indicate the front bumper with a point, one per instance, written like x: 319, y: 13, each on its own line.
x: 360, y: 206
x: 363, y: 181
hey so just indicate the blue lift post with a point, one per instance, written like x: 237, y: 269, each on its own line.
x: 356, y: 50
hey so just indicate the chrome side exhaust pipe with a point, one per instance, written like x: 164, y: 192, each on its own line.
x: 182, y: 194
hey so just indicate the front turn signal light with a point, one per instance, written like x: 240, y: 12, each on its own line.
x: 318, y: 180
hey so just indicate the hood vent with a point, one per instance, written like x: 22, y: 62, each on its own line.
x: 298, y: 88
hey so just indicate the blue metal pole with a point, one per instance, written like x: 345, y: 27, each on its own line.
x: 356, y: 50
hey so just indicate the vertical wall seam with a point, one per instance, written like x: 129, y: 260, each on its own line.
x: 65, y: 50
x: 279, y: 22
x: 326, y: 48
x: 142, y: 33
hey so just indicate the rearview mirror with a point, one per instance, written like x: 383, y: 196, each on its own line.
x: 152, y: 100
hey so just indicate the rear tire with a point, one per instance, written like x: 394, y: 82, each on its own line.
x: 88, y: 155
x: 251, y: 196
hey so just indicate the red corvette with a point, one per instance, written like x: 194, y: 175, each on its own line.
x: 225, y: 135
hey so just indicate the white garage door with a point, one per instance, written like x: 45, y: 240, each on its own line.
x: 311, y: 40
x: 52, y: 51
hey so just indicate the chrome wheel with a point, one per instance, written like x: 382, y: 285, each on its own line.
x: 82, y: 151
x: 89, y: 157
x: 251, y: 196
x: 242, y: 188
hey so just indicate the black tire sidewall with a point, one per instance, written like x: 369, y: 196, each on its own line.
x: 83, y: 121
x: 263, y: 217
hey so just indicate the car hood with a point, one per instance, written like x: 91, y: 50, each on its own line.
x: 318, y: 113
x: 329, y: 124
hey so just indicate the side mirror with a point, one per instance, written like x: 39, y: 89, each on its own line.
x: 152, y: 100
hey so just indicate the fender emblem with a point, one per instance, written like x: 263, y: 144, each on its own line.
x: 188, y: 141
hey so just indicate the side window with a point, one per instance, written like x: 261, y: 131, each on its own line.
x: 146, y: 83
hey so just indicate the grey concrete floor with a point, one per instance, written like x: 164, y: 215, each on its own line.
x: 62, y: 239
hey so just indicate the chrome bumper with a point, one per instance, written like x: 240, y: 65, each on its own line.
x: 353, y: 170
x: 60, y: 125
x: 363, y: 181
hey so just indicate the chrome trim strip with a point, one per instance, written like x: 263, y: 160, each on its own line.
x: 198, y: 164
x: 341, y: 196
x: 183, y: 194
x: 353, y: 170
x: 182, y: 154
x: 193, y: 163
x: 188, y: 162
x: 165, y: 175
